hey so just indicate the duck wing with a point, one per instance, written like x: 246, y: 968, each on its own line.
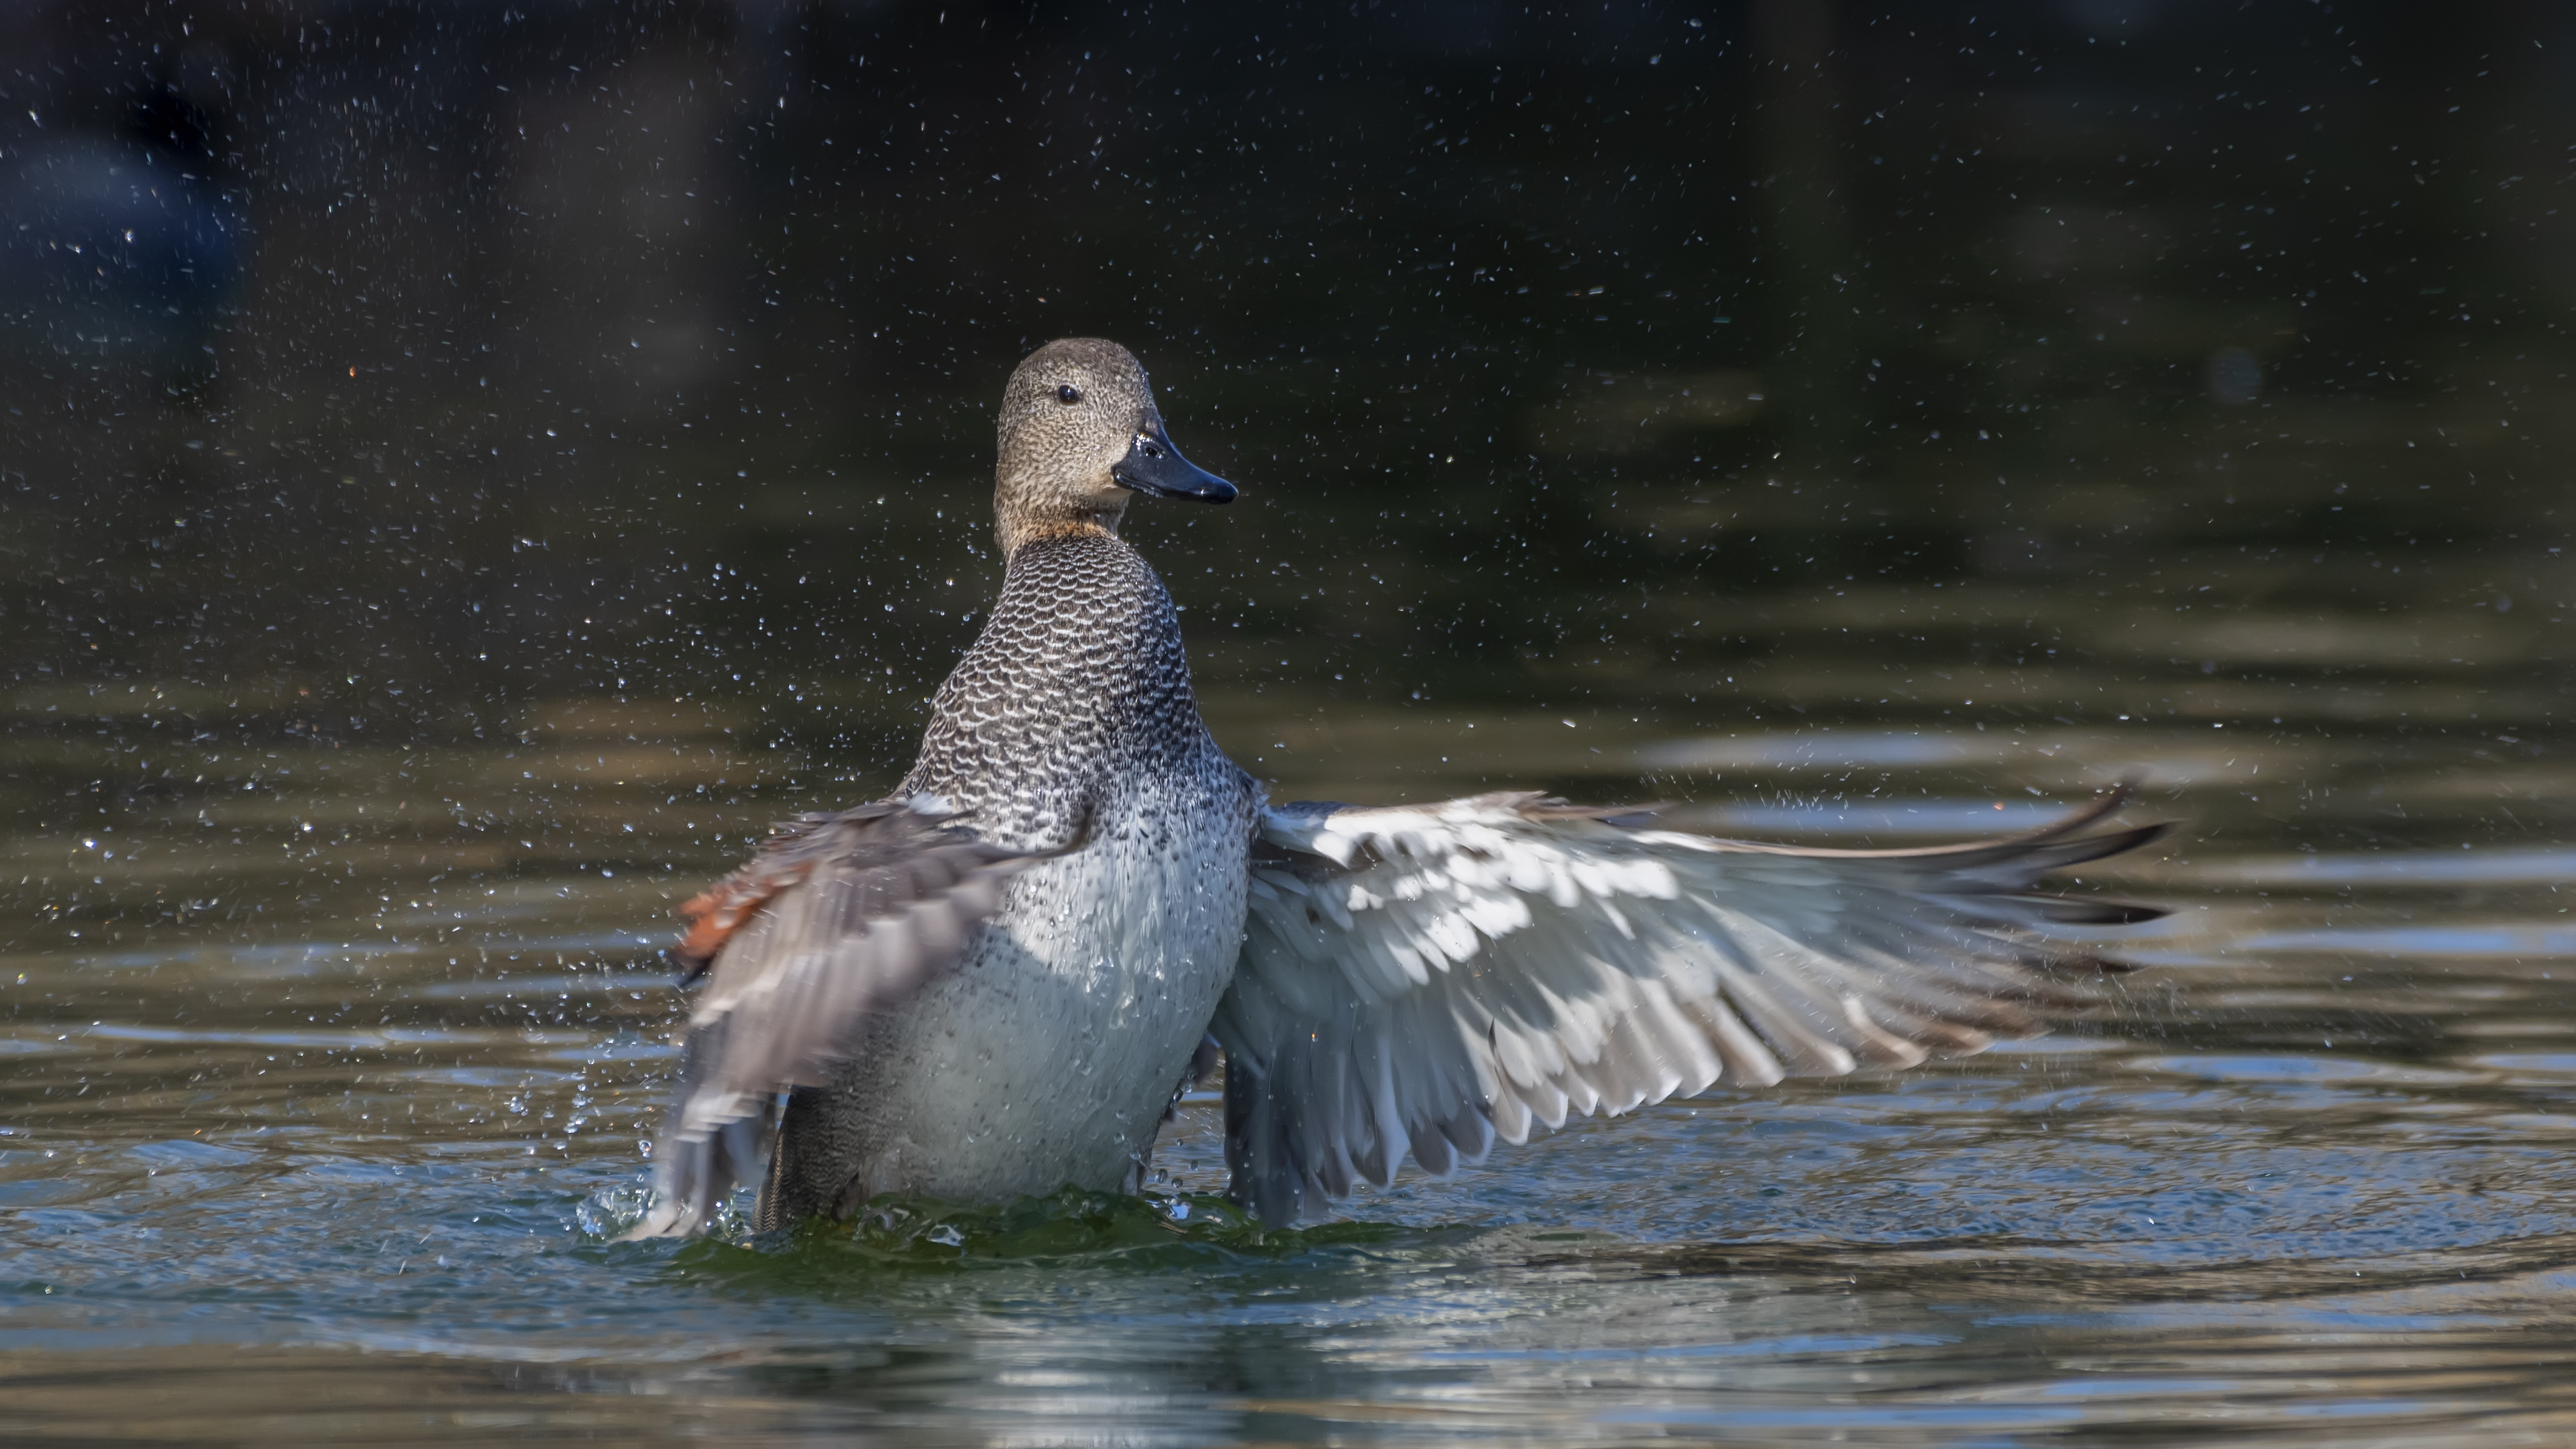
x: 1430, y: 978
x: 836, y: 917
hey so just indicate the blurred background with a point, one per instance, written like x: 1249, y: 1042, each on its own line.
x: 469, y: 467
x: 401, y: 367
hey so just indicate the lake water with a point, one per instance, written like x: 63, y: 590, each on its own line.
x: 329, y: 1060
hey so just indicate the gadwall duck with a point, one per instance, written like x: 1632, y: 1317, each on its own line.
x: 997, y: 981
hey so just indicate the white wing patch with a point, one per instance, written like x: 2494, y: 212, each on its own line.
x: 1426, y: 979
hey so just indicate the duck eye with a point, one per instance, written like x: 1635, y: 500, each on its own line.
x: 1068, y: 394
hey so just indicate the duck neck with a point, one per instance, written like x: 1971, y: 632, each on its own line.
x: 1014, y: 527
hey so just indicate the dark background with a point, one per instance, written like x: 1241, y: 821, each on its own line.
x: 388, y: 367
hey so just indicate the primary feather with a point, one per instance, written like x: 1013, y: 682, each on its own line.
x: 1425, y: 980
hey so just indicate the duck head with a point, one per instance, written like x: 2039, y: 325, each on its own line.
x: 1080, y: 436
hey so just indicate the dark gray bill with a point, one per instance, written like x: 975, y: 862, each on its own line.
x: 1153, y: 465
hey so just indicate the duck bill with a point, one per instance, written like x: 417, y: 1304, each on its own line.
x: 1154, y: 466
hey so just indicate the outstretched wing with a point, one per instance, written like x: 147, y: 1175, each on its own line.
x: 1427, y: 979
x: 836, y: 917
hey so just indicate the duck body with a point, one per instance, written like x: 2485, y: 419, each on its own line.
x: 1049, y: 1053
x: 992, y: 983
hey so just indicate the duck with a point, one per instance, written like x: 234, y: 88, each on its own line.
x: 1000, y: 979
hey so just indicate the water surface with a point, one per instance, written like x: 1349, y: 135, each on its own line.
x: 330, y: 1061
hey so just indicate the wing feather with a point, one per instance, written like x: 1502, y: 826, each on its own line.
x: 1431, y: 980
x: 835, y: 918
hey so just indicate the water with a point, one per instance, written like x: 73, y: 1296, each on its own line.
x: 329, y: 1062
